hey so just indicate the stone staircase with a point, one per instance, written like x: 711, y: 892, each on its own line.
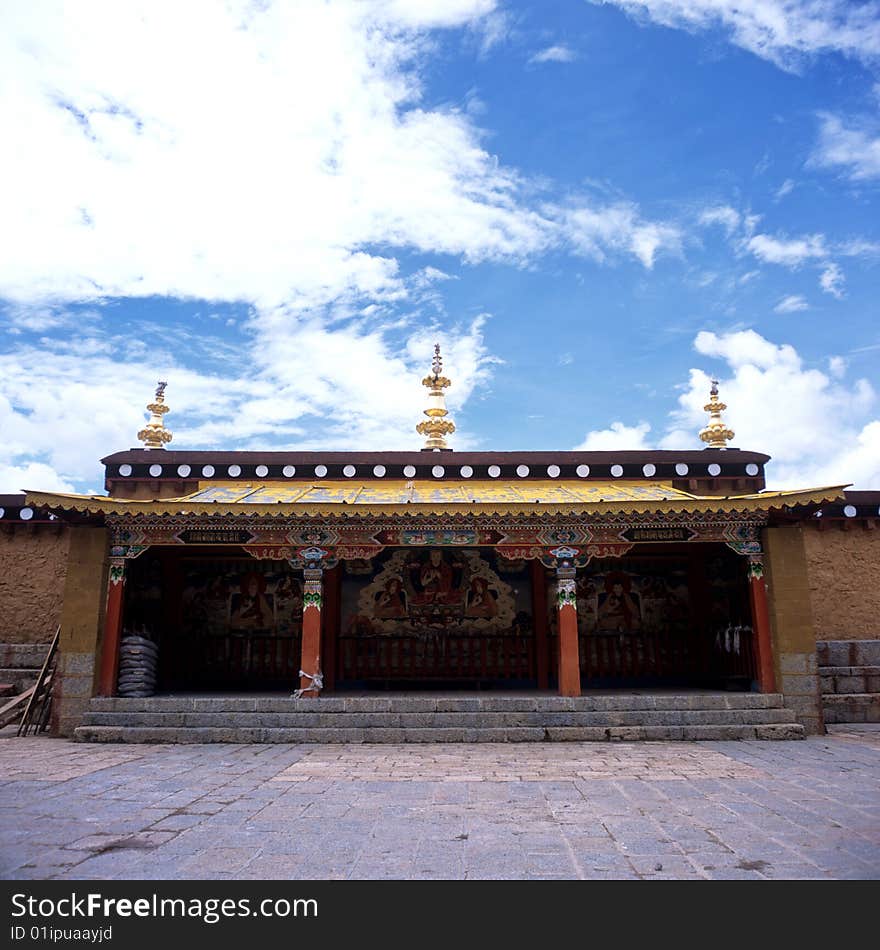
x: 446, y: 718
x: 849, y: 676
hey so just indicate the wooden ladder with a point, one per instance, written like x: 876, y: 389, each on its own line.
x: 36, y: 714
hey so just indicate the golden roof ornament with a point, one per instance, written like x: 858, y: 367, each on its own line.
x: 716, y: 435
x: 154, y: 435
x: 436, y: 426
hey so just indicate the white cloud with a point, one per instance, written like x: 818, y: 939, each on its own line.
x: 790, y: 252
x: 784, y: 189
x: 554, y: 54
x: 781, y: 31
x: 618, y: 436
x: 597, y: 232
x: 852, y: 145
x: 791, y: 304
x: 33, y: 475
x: 340, y: 387
x: 287, y: 169
x: 831, y: 280
x: 827, y: 435
x: 727, y: 217
x: 837, y: 366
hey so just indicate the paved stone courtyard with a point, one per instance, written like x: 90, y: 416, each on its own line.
x: 756, y: 810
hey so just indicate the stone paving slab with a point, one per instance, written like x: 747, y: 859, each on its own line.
x: 681, y: 810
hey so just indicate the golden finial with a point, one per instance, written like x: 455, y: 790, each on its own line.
x: 716, y: 435
x: 435, y: 427
x: 154, y: 435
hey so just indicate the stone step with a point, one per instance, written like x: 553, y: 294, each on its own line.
x: 315, y: 719
x: 851, y: 707
x: 427, y: 704
x: 445, y: 735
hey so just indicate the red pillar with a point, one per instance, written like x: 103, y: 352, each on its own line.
x: 539, y: 622
x: 761, y: 626
x: 569, y: 658
x: 112, y: 628
x: 310, y: 661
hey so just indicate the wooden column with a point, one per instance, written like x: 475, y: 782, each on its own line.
x: 310, y: 661
x: 539, y: 623
x: 112, y: 628
x: 761, y: 624
x: 569, y: 657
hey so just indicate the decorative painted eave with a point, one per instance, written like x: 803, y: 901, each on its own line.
x: 344, y: 500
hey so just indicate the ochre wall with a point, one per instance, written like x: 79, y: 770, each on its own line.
x: 82, y: 622
x: 791, y: 620
x: 33, y: 566
x: 844, y: 580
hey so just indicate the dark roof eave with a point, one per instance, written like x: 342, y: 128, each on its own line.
x: 170, y: 456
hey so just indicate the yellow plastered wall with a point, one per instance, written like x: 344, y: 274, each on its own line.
x: 791, y: 618
x: 82, y: 622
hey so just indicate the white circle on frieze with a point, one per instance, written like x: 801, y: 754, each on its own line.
x: 582, y: 471
x: 349, y: 471
x: 681, y: 469
x: 494, y: 471
x: 616, y: 471
x: 208, y: 471
x: 26, y: 514
x: 850, y: 511
x: 409, y: 471
x: 649, y: 469
x: 379, y: 471
x: 466, y: 471
x: 261, y: 471
x: 553, y: 471
x: 288, y: 471
x: 125, y: 470
x: 522, y: 470
x: 233, y: 471
x: 320, y: 470
x: 752, y: 469
x: 183, y: 470
x: 438, y: 471
x: 714, y: 469
x: 155, y: 470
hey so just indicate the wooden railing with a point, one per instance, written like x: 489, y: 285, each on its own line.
x: 237, y: 660
x: 667, y: 654
x: 440, y: 658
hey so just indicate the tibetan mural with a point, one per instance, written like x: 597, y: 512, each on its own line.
x: 644, y: 597
x: 221, y: 598
x: 219, y: 622
x: 437, y: 613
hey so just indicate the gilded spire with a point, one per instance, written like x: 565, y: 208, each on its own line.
x: 154, y: 435
x: 716, y: 435
x: 436, y: 426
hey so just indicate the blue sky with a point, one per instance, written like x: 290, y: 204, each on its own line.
x: 595, y: 207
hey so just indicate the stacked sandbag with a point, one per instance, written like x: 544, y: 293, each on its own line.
x: 138, y: 658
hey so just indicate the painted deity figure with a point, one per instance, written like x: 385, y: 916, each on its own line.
x: 390, y: 603
x: 435, y: 580
x: 619, y: 609
x: 250, y: 609
x: 481, y: 602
